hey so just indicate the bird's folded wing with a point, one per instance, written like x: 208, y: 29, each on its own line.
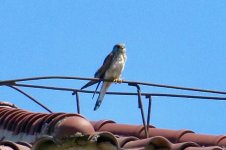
x: 106, y: 65
x: 101, y: 71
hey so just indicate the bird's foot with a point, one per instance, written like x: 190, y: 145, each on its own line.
x: 117, y: 80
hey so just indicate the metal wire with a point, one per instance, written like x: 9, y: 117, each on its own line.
x: 147, y: 95
x: 27, y: 95
x: 31, y: 98
x: 11, y: 82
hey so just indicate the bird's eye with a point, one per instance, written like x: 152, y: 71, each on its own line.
x: 119, y: 46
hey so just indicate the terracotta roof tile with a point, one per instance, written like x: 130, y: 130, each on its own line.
x: 156, y: 142
x: 7, y: 104
x: 204, y: 139
x: 73, y: 124
x: 125, y: 139
x: 120, y: 129
x: 172, y: 135
x: 9, y: 145
x: 204, y: 148
x: 23, y: 130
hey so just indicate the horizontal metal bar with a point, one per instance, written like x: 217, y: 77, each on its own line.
x: 45, y: 78
x: 11, y: 82
x: 122, y: 93
x: 187, y: 96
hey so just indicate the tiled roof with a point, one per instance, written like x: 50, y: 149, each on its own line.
x: 23, y: 130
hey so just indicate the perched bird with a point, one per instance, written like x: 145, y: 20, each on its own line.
x: 111, y: 69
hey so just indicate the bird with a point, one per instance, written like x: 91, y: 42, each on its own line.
x: 111, y: 69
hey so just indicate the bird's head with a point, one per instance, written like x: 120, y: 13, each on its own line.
x: 119, y: 48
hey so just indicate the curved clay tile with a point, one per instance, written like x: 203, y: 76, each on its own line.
x: 13, y: 115
x: 43, y: 122
x: 29, y: 122
x: 13, y: 145
x: 222, y: 142
x: 18, y: 121
x: 180, y: 146
x: 204, y: 148
x: 157, y: 142
x: 43, y: 142
x: 20, y: 126
x: 104, y: 137
x: 5, y: 148
x: 71, y: 125
x: 6, y: 114
x: 37, y: 125
x: 25, y: 144
x: 96, y: 141
x: 23, y: 128
x: 202, y: 139
x: 171, y: 135
x: 58, y: 118
x: 5, y: 109
x: 13, y: 120
x: 51, y: 116
x: 98, y: 124
x: 7, y: 104
x: 125, y: 139
x: 121, y: 129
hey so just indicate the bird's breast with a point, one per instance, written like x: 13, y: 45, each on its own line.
x: 116, y: 68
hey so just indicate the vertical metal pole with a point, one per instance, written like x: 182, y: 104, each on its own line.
x: 149, y: 110
x: 141, y: 108
x: 77, y: 102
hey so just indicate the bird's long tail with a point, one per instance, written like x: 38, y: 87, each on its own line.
x: 96, y: 89
x: 100, y: 98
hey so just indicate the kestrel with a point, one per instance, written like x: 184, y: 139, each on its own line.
x: 111, y: 69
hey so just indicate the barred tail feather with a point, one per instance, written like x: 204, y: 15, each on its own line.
x: 100, y: 98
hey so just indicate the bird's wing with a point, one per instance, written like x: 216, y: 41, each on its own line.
x: 106, y: 64
x: 100, y: 98
x: 101, y: 71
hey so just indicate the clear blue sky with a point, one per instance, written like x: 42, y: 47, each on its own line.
x: 176, y: 42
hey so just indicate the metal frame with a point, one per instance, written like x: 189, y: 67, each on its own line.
x: 14, y: 84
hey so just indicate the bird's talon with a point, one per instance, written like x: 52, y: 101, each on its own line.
x: 117, y: 80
